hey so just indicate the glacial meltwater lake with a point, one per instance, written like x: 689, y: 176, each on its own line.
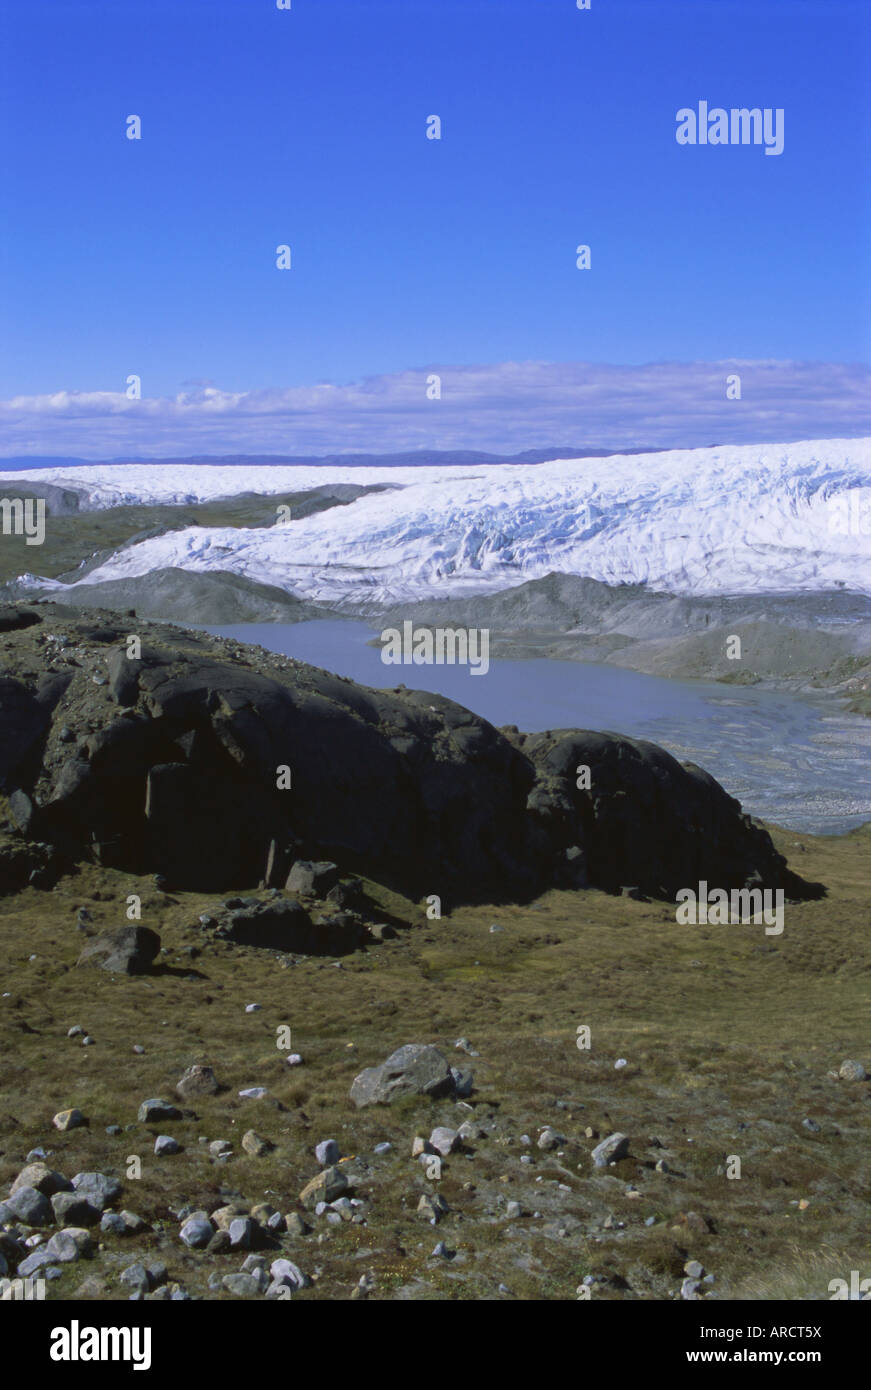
x: 793, y: 761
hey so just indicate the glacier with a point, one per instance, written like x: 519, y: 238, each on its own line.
x: 728, y: 520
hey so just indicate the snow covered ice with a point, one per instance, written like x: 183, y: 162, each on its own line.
x: 730, y: 519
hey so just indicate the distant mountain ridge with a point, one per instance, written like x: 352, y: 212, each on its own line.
x: 448, y: 458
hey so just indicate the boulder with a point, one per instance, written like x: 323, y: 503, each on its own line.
x: 69, y: 1119
x: 124, y: 677
x: 99, y: 1189
x: 197, y: 1081
x: 43, y: 1178
x: 74, y: 1209
x: 416, y: 1069
x: 157, y: 1110
x: 611, y: 1150
x: 325, y: 1187
x: 314, y: 880
x: 30, y: 1207
x: 127, y: 951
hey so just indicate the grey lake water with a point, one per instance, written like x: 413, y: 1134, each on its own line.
x: 790, y: 760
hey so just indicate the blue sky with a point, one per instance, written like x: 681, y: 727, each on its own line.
x: 307, y: 127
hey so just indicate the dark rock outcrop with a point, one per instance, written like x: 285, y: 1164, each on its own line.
x: 217, y: 776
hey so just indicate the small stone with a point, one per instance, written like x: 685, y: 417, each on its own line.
x: 432, y: 1206
x: 693, y: 1269
x: 197, y: 1081
x: 550, y: 1139
x: 43, y: 1178
x: 241, y: 1286
x: 294, y: 1059
x: 219, y: 1148
x: 253, y: 1008
x: 112, y: 1223
x: 620, y: 1064
x: 135, y: 1276
x: 852, y: 1071
x: 138, y: 1049
x: 154, y: 1110
x: 164, y: 1144
x: 254, y: 1093
x: 31, y: 1207
x: 296, y: 1226
x: 689, y: 1290
x: 611, y: 1150
x: 470, y: 1131
x: 443, y: 1140
x: 342, y: 1205
x: 383, y: 1148
x: 513, y: 1211
x: 287, y: 1273
x: 69, y: 1119
x: 69, y: 1245
x: 811, y: 1125
x: 327, y: 1152
x: 242, y: 1231
x: 98, y: 1188
x: 326, y: 1187
x: 222, y: 1216
x: 73, y: 1209
x: 76, y: 1031
x: 280, y: 1291
x: 197, y: 1231
x: 253, y: 1144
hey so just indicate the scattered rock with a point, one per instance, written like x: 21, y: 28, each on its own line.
x: 327, y: 1152
x: 43, y: 1178
x: 31, y: 1207
x: 197, y: 1081
x: 241, y: 1285
x: 97, y: 1188
x: 550, y: 1139
x: 242, y: 1233
x: 157, y: 1110
x: 444, y: 1140
x: 69, y: 1119
x: 326, y: 1187
x: 287, y: 1273
x: 253, y: 1144
x: 611, y: 1150
x: 432, y: 1206
x: 73, y: 1209
x: 852, y: 1071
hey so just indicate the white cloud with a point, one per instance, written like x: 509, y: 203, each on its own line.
x: 503, y: 408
